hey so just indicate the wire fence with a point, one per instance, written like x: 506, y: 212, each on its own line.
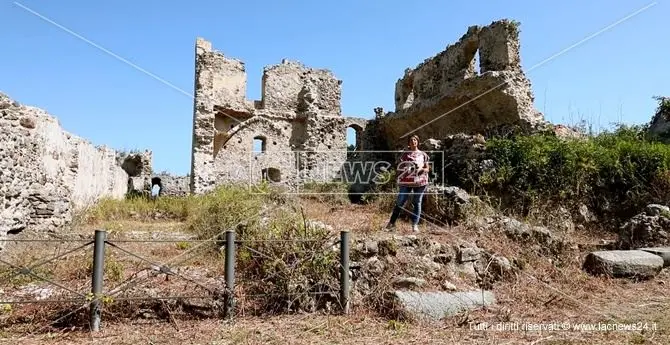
x: 100, y: 292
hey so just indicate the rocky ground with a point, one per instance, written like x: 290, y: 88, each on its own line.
x: 536, y: 276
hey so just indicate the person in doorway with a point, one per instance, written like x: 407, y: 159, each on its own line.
x: 413, y: 172
x: 155, y: 191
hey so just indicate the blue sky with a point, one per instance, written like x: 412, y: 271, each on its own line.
x: 368, y: 44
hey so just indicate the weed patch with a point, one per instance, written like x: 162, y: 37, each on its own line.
x: 614, y: 173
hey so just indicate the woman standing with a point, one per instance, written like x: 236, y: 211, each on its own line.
x: 412, y: 178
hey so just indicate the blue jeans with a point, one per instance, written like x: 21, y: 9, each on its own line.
x: 416, y: 201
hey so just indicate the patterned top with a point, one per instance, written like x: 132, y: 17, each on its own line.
x: 410, y: 162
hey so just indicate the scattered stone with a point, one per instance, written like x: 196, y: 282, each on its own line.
x: 366, y: 248
x: 374, y: 266
x: 387, y: 247
x: 499, y: 266
x: 453, y: 205
x: 542, y: 236
x: 563, y: 221
x: 319, y: 225
x: 623, y: 264
x: 449, y: 286
x: 35, y: 292
x: 649, y: 228
x: 466, y: 254
x: 407, y: 241
x: 467, y: 270
x: 657, y: 210
x: 443, y: 258
x: 663, y: 252
x: 408, y: 282
x: 439, y: 304
x: 584, y: 215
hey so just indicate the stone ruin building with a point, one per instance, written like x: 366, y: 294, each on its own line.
x: 298, y: 123
x: 303, y: 132
x: 47, y: 173
x: 447, y: 95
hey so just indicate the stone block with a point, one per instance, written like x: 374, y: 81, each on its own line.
x: 623, y: 264
x: 437, y: 305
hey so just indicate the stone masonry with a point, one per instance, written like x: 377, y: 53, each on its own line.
x: 47, y: 173
x: 141, y: 177
x: 446, y: 95
x: 298, y: 125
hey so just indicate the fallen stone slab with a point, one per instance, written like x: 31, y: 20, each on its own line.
x: 623, y: 264
x: 663, y: 252
x: 436, y: 305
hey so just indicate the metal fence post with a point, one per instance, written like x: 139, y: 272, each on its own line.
x: 98, y: 271
x: 344, y: 270
x: 230, y: 274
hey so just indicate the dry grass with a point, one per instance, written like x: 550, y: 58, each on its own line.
x: 547, y: 289
x: 357, y: 328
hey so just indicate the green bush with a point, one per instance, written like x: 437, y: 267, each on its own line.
x: 614, y: 173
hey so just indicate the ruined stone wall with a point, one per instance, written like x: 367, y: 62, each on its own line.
x: 445, y: 95
x: 172, y: 185
x: 290, y: 86
x: 47, y: 173
x: 299, y: 119
x: 142, y: 177
x: 219, y: 81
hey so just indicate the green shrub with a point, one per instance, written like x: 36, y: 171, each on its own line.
x: 615, y: 173
x: 288, y: 265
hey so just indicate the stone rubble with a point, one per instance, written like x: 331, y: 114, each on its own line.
x: 649, y: 228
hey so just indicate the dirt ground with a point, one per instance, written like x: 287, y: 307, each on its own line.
x: 541, y: 305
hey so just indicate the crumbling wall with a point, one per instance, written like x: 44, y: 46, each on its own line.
x: 220, y: 82
x: 290, y: 87
x: 141, y: 176
x: 172, y: 185
x: 47, y: 173
x: 299, y: 119
x: 445, y: 95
